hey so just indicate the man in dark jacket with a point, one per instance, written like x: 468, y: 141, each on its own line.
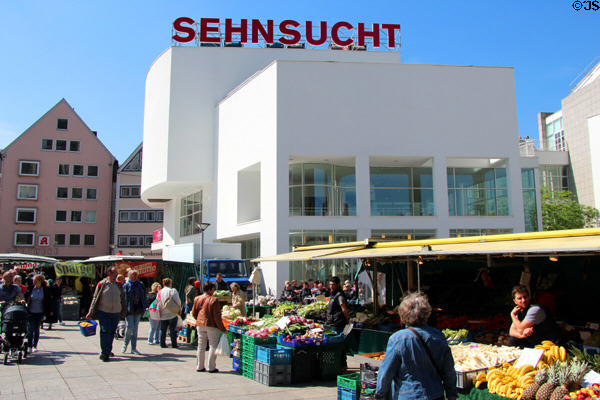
x: 135, y: 297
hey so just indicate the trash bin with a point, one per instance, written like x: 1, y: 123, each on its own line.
x: 70, y: 307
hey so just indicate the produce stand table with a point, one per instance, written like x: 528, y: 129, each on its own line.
x: 260, y: 310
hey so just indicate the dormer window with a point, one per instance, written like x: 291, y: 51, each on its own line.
x: 62, y: 124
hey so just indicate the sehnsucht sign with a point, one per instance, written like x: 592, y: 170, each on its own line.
x: 290, y: 32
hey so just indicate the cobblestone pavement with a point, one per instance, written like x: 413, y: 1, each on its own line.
x: 66, y: 366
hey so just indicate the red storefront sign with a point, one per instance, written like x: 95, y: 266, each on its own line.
x: 157, y: 236
x: 289, y: 32
x: 146, y: 269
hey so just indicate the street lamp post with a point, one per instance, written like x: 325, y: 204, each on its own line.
x: 202, y: 226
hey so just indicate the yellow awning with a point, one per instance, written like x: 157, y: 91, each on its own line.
x: 307, y: 255
x: 375, y: 253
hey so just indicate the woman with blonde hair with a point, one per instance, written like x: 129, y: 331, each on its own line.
x: 154, y: 314
x: 39, y: 303
x: 418, y: 359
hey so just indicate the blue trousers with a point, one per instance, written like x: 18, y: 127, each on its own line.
x: 131, y: 330
x: 172, y: 325
x: 154, y: 332
x: 108, y: 327
x: 33, y: 328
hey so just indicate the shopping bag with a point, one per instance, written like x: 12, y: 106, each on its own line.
x: 179, y: 323
x: 223, y: 346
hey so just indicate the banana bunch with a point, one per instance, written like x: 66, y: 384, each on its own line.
x: 552, y: 353
x: 507, y: 381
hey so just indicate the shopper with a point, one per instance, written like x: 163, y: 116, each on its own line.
x: 530, y: 323
x: 190, y: 294
x: 154, y: 314
x: 51, y: 317
x: 238, y: 298
x: 170, y: 307
x: 135, y: 296
x: 108, y: 305
x: 39, y: 304
x: 220, y: 283
x: 9, y: 292
x: 288, y: 293
x: 58, y: 288
x: 207, y: 312
x: 418, y: 359
x: 17, y: 280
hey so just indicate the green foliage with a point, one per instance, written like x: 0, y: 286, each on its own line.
x: 560, y: 210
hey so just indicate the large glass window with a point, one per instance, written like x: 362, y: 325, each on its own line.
x: 478, y: 232
x: 403, y: 234
x: 529, y: 199
x: 26, y: 215
x: 555, y: 177
x: 190, y: 215
x: 477, y: 192
x: 27, y: 192
x: 29, y: 168
x: 321, y: 270
x: 24, y: 238
x: 401, y: 191
x: 322, y: 189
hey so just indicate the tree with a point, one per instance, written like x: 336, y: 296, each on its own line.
x: 560, y: 210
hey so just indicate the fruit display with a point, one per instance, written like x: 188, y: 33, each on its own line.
x: 592, y: 359
x: 314, y: 310
x: 264, y: 301
x: 587, y: 393
x: 557, y: 381
x: 230, y: 313
x: 470, y: 357
x: 455, y: 334
x: 222, y: 293
x: 552, y: 354
x: 507, y: 380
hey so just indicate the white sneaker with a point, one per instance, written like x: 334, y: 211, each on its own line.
x: 33, y: 349
x: 124, y: 349
x: 62, y: 323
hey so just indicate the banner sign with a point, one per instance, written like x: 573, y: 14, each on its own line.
x: 146, y: 269
x: 69, y: 269
x: 26, y: 267
x: 289, y: 32
x: 43, y: 241
x: 157, y: 236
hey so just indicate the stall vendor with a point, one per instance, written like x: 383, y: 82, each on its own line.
x: 337, y: 308
x: 530, y: 323
x: 220, y: 283
x: 288, y: 293
x: 238, y: 298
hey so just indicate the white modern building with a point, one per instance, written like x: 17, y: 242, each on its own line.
x: 280, y: 147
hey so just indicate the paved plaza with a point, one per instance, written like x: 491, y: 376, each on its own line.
x: 66, y: 366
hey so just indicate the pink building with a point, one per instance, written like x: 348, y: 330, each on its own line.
x: 134, y: 220
x: 56, y: 187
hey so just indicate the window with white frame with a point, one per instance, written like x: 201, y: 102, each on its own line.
x: 24, y: 238
x: 75, y: 216
x: 129, y: 191
x: 134, y: 240
x: 47, y: 144
x: 60, y: 239
x: 90, y: 193
x: 74, y: 239
x: 92, y: 170
x: 29, y: 168
x: 61, y: 216
x: 62, y: 124
x: 26, y: 216
x: 62, y: 192
x: 63, y: 169
x: 190, y: 214
x: 74, y: 145
x: 27, y: 192
x: 89, y: 240
x: 77, y: 193
x: 61, y: 145
x: 140, y: 215
x: 90, y: 217
x: 77, y: 170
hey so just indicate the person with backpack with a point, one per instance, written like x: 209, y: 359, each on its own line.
x: 135, y: 296
x: 170, y: 307
x: 154, y: 314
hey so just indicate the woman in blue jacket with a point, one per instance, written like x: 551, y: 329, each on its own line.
x: 135, y: 297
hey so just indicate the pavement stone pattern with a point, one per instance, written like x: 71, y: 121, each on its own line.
x: 66, y: 366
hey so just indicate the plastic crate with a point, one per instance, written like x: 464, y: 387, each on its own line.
x: 349, y: 381
x: 347, y: 394
x: 236, y: 329
x: 303, y: 364
x: 247, y: 370
x: 329, y: 364
x: 296, y: 343
x: 236, y: 364
x: 272, y: 355
x: 250, y: 342
x: 272, y: 375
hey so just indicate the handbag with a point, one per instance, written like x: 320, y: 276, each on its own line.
x: 170, y: 305
x: 154, y: 310
x: 179, y: 325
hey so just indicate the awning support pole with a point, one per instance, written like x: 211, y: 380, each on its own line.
x: 375, y: 287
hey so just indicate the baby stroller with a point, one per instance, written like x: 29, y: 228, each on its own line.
x: 14, y: 330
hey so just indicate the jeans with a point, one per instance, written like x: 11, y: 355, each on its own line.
x: 212, y: 334
x: 59, y: 310
x: 172, y: 325
x: 154, y: 332
x: 33, y: 328
x: 108, y: 327
x: 131, y: 331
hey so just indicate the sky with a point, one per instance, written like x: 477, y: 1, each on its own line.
x: 96, y: 54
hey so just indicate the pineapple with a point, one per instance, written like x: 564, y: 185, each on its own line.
x: 545, y: 391
x: 565, y: 377
x: 578, y: 371
x: 540, y: 378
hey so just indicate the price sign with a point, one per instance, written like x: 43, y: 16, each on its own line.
x: 530, y: 356
x: 590, y: 378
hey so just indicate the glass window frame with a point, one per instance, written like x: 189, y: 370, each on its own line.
x: 71, y: 143
x: 46, y: 141
x: 60, y: 143
x: 26, y: 209
x: 73, y: 197
x: 61, y: 121
x: 66, y: 190
x: 87, y: 213
x: 470, y: 197
x: 59, y: 220
x: 68, y: 168
x: 87, y: 193
x: 85, y: 239
x: 64, y: 241
x: 74, y: 213
x: 79, y: 167
x: 97, y: 171
x: 72, y: 236
x: 401, y: 180
x: 31, y: 234
x: 23, y: 162
x: 22, y: 186
x: 190, y: 215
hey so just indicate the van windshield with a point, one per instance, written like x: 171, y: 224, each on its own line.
x: 229, y: 269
